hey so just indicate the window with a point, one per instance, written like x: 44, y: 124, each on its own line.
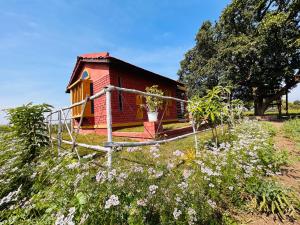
x: 120, y: 95
x: 92, y: 101
x: 85, y: 75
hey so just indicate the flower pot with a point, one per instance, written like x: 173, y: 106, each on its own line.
x: 152, y: 116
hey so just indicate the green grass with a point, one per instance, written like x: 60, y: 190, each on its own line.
x: 292, y: 130
x: 292, y: 112
x: 4, y: 128
x: 131, y: 129
x: 141, y: 156
x: 57, y: 187
x: 172, y: 126
x: 167, y: 126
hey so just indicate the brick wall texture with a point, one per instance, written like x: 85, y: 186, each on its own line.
x: 127, y: 112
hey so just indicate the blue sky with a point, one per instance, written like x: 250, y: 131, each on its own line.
x: 40, y: 40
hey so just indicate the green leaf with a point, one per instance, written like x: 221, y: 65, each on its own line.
x: 273, y: 207
x: 81, y: 198
x: 280, y: 211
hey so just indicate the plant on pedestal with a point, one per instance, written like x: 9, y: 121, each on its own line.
x: 153, y: 103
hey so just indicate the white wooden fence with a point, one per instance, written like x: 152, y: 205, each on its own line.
x: 110, y: 145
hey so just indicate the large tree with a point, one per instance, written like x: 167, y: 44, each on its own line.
x: 254, y: 46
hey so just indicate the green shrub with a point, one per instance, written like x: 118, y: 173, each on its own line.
x: 27, y: 123
x: 19, y: 146
x: 179, y: 189
x: 292, y: 129
x: 4, y: 128
x: 269, y: 197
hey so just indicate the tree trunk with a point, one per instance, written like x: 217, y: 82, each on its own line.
x: 259, y: 107
x: 261, y: 104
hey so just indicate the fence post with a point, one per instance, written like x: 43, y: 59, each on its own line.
x: 59, y: 136
x: 195, y: 137
x: 50, y: 129
x: 109, y: 126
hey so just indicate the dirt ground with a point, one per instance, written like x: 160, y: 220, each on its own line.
x: 290, y: 178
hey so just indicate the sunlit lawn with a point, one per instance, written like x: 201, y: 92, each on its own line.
x: 142, y: 156
x: 292, y: 112
x: 167, y: 126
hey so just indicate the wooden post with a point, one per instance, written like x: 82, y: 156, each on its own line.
x: 59, y: 136
x: 287, y: 102
x: 78, y: 127
x: 70, y: 134
x: 50, y: 129
x: 109, y: 127
x: 195, y: 137
x: 72, y: 123
x: 279, y: 104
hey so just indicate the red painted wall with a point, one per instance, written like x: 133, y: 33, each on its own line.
x: 104, y: 74
x: 138, y: 80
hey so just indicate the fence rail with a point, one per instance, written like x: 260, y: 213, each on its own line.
x: 110, y: 144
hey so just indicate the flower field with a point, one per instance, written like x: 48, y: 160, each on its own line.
x: 153, y: 185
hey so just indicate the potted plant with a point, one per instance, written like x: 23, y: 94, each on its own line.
x: 153, y: 103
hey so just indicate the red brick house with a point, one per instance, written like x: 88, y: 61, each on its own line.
x: 93, y: 72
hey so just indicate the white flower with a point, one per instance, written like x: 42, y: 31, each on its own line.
x: 187, y: 173
x: 138, y: 169
x: 121, y: 178
x: 112, y: 201
x: 154, y: 149
x: 73, y: 166
x: 111, y: 174
x: 183, y: 185
x: 12, y: 196
x: 230, y: 188
x: 33, y: 175
x: 159, y: 174
x: 83, y: 218
x: 178, y: 153
x: 207, y: 170
x: 79, y: 177
x: 192, y: 216
x: 54, y: 169
x: 170, y: 166
x: 155, y: 155
x: 211, y: 185
x: 152, y: 189
x: 206, y: 178
x: 141, y: 202
x: 100, y: 176
x: 68, y: 220
x: 59, y: 219
x: 178, y: 199
x: 151, y: 171
x: 211, y: 203
x: 176, y: 213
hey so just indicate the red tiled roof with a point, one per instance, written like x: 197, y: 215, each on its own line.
x: 105, y: 55
x: 95, y: 55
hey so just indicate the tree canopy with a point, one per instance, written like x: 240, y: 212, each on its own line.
x: 254, y: 46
